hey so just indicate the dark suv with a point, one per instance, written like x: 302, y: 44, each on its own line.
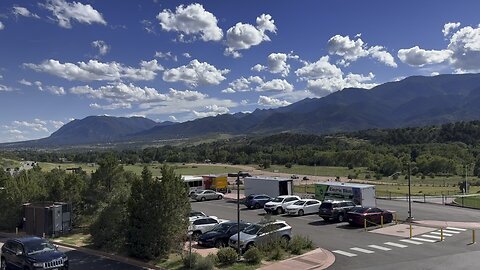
x: 30, y: 253
x: 335, y: 210
x: 257, y: 201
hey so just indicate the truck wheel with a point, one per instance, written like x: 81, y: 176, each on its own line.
x: 341, y: 218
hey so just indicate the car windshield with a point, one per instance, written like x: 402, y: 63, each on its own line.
x: 359, y: 210
x: 299, y: 202
x: 252, y: 229
x: 38, y: 246
x: 196, y: 214
x: 222, y: 227
x: 199, y: 191
x: 278, y: 199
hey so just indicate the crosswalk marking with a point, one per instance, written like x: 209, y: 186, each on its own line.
x: 449, y: 231
x: 411, y: 241
x: 423, y: 239
x: 439, y: 233
x: 344, y: 253
x: 456, y: 229
x: 380, y: 247
x: 395, y: 245
x: 431, y: 236
x: 362, y: 250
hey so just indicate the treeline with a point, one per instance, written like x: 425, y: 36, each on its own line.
x: 434, y: 150
x: 123, y: 212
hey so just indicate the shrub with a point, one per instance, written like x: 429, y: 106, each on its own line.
x: 368, y: 176
x: 288, y: 165
x: 227, y: 256
x: 253, y: 256
x: 274, y: 249
x: 195, y: 257
x: 299, y: 243
x: 205, y: 263
x: 277, y: 253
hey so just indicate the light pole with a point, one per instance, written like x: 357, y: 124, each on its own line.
x: 238, y: 216
x: 409, y: 194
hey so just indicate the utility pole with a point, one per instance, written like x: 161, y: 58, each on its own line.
x: 238, y: 216
x: 409, y: 194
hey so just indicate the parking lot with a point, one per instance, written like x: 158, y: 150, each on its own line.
x: 356, y: 249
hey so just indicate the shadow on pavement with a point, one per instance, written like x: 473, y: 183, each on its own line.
x: 82, y: 261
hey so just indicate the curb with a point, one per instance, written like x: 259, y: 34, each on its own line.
x: 327, y: 261
x: 98, y: 253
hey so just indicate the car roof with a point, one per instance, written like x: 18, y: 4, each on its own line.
x: 26, y: 239
x: 309, y: 200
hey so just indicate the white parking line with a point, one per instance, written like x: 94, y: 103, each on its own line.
x: 456, y: 229
x: 380, y: 247
x: 344, y: 253
x: 362, y: 250
x: 431, y: 236
x: 411, y: 242
x: 439, y: 233
x: 395, y: 245
x: 448, y: 231
x: 423, y: 239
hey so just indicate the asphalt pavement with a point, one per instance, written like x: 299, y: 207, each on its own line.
x: 357, y: 249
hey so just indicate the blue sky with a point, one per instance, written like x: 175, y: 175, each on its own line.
x: 176, y: 60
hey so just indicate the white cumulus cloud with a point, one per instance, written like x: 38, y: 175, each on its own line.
x: 351, y: 50
x: 448, y: 27
x: 65, y: 12
x: 242, y: 36
x: 319, y: 69
x: 191, y: 20
x: 94, y: 70
x: 211, y: 110
x: 120, y: 93
x: 166, y: 55
x: 196, y: 73
x: 278, y: 85
x: 22, y: 11
x: 327, y: 85
x: 2, y: 26
x: 102, y: 46
x: 272, y: 102
x: 419, y: 57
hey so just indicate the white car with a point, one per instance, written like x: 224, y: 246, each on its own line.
x: 304, y: 207
x: 202, y: 225
x: 280, y: 203
x: 207, y: 195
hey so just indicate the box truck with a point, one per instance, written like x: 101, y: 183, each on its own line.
x: 271, y: 186
x: 360, y: 194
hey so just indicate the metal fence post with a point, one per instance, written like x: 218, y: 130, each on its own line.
x: 473, y: 236
x: 441, y: 234
x: 411, y: 232
x: 424, y: 200
x: 365, y: 223
x: 381, y: 221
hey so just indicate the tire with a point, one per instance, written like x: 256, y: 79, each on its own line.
x: 3, y: 264
x: 249, y: 245
x: 300, y: 212
x: 220, y: 197
x: 278, y: 210
x: 196, y: 235
x: 219, y: 244
x: 285, y: 238
x: 202, y: 199
x: 341, y: 218
x: 326, y: 219
x: 257, y: 206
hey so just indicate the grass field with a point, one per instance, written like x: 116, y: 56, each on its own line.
x: 319, y: 170
x: 473, y: 202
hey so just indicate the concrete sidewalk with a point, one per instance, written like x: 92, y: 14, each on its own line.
x: 314, y: 260
x: 444, y: 224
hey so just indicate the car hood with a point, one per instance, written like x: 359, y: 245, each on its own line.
x: 273, y: 203
x: 243, y: 237
x: 46, y: 256
x: 210, y: 235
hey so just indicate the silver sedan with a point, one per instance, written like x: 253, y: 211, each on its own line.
x: 207, y: 195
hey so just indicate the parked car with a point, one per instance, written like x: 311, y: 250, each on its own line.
x: 261, y: 233
x: 202, y: 225
x: 280, y: 203
x: 303, y: 207
x: 219, y: 235
x: 196, y: 214
x: 207, y: 195
x: 32, y: 253
x: 256, y: 201
x: 335, y: 210
x: 358, y: 215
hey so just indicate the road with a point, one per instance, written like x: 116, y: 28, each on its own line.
x: 82, y: 261
x: 350, y: 240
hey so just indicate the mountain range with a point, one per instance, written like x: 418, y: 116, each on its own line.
x: 413, y: 101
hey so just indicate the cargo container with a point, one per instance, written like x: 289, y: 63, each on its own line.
x: 215, y: 182
x: 47, y: 218
x: 271, y: 186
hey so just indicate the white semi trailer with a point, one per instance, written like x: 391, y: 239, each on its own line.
x: 271, y: 186
x: 360, y: 194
